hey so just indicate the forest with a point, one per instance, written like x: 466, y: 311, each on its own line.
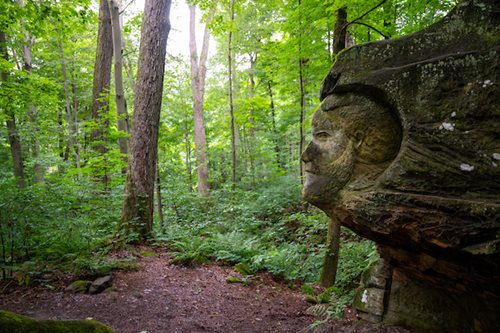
x: 124, y: 132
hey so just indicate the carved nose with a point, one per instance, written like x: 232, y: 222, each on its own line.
x: 305, y: 154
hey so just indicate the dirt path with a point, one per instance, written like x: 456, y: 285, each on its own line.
x: 163, y: 298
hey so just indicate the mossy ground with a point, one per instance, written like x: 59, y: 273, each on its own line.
x: 11, y: 322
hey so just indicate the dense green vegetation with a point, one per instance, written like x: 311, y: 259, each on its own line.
x: 66, y: 213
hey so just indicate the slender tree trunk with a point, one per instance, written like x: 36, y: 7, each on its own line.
x: 302, y: 63
x: 251, y: 120
x: 32, y: 110
x: 72, y: 144
x: 275, y: 131
x: 188, y: 153
x: 330, y: 264
x: 101, y: 86
x: 231, y: 104
x: 302, y: 115
x: 331, y: 260
x: 198, y: 74
x: 137, y: 213
x: 158, y: 197
x: 14, y: 138
x: 121, y: 108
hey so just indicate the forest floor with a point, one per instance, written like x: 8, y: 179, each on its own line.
x: 164, y: 298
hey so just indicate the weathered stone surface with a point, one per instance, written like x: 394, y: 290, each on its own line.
x: 100, y: 284
x: 406, y: 152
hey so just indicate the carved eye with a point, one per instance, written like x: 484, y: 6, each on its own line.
x: 322, y: 135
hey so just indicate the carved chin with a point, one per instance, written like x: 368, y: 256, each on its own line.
x: 320, y: 190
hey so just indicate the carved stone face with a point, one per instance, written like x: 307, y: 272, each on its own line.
x: 353, y: 139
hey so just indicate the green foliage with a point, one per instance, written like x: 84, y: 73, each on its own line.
x: 264, y: 229
x: 55, y: 225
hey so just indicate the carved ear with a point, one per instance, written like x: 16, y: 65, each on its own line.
x: 359, y: 137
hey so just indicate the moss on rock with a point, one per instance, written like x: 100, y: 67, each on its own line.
x: 11, y: 322
x: 79, y: 286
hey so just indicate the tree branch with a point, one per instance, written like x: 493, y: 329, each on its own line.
x: 373, y: 28
x: 360, y: 17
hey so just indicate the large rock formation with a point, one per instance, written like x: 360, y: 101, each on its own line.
x: 406, y: 152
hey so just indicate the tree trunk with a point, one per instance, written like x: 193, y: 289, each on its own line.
x: 302, y: 63
x: 14, y: 138
x: 275, y: 131
x: 72, y: 145
x: 231, y: 104
x: 121, y: 106
x: 187, y: 144
x: 340, y: 31
x: 32, y: 110
x: 102, y: 79
x: 198, y: 74
x: 137, y: 213
x: 251, y: 119
x: 330, y: 263
x: 158, y: 197
x: 302, y: 116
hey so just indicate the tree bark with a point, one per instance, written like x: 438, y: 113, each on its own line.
x: 302, y: 63
x: 231, y: 104
x: 251, y: 119
x: 14, y: 138
x: 102, y: 79
x: 187, y: 144
x: 159, y: 205
x: 72, y: 144
x: 331, y: 260
x: 330, y: 264
x: 198, y: 74
x: 302, y: 115
x: 275, y: 131
x: 121, y: 106
x: 137, y: 213
x: 32, y: 110
x: 340, y: 31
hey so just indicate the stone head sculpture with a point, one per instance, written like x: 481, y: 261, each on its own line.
x: 354, y: 138
x: 405, y: 151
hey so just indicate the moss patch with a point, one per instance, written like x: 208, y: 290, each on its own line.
x: 11, y: 322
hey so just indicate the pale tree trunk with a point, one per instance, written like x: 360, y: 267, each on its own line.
x: 72, y: 144
x: 121, y: 106
x: 32, y: 111
x: 187, y: 144
x: 14, y: 138
x: 302, y: 63
x: 198, y: 74
x: 137, y: 213
x: 330, y: 264
x: 231, y: 104
x: 275, y: 131
x: 101, y: 85
x: 251, y: 119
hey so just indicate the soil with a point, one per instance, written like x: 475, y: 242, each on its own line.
x: 165, y: 298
